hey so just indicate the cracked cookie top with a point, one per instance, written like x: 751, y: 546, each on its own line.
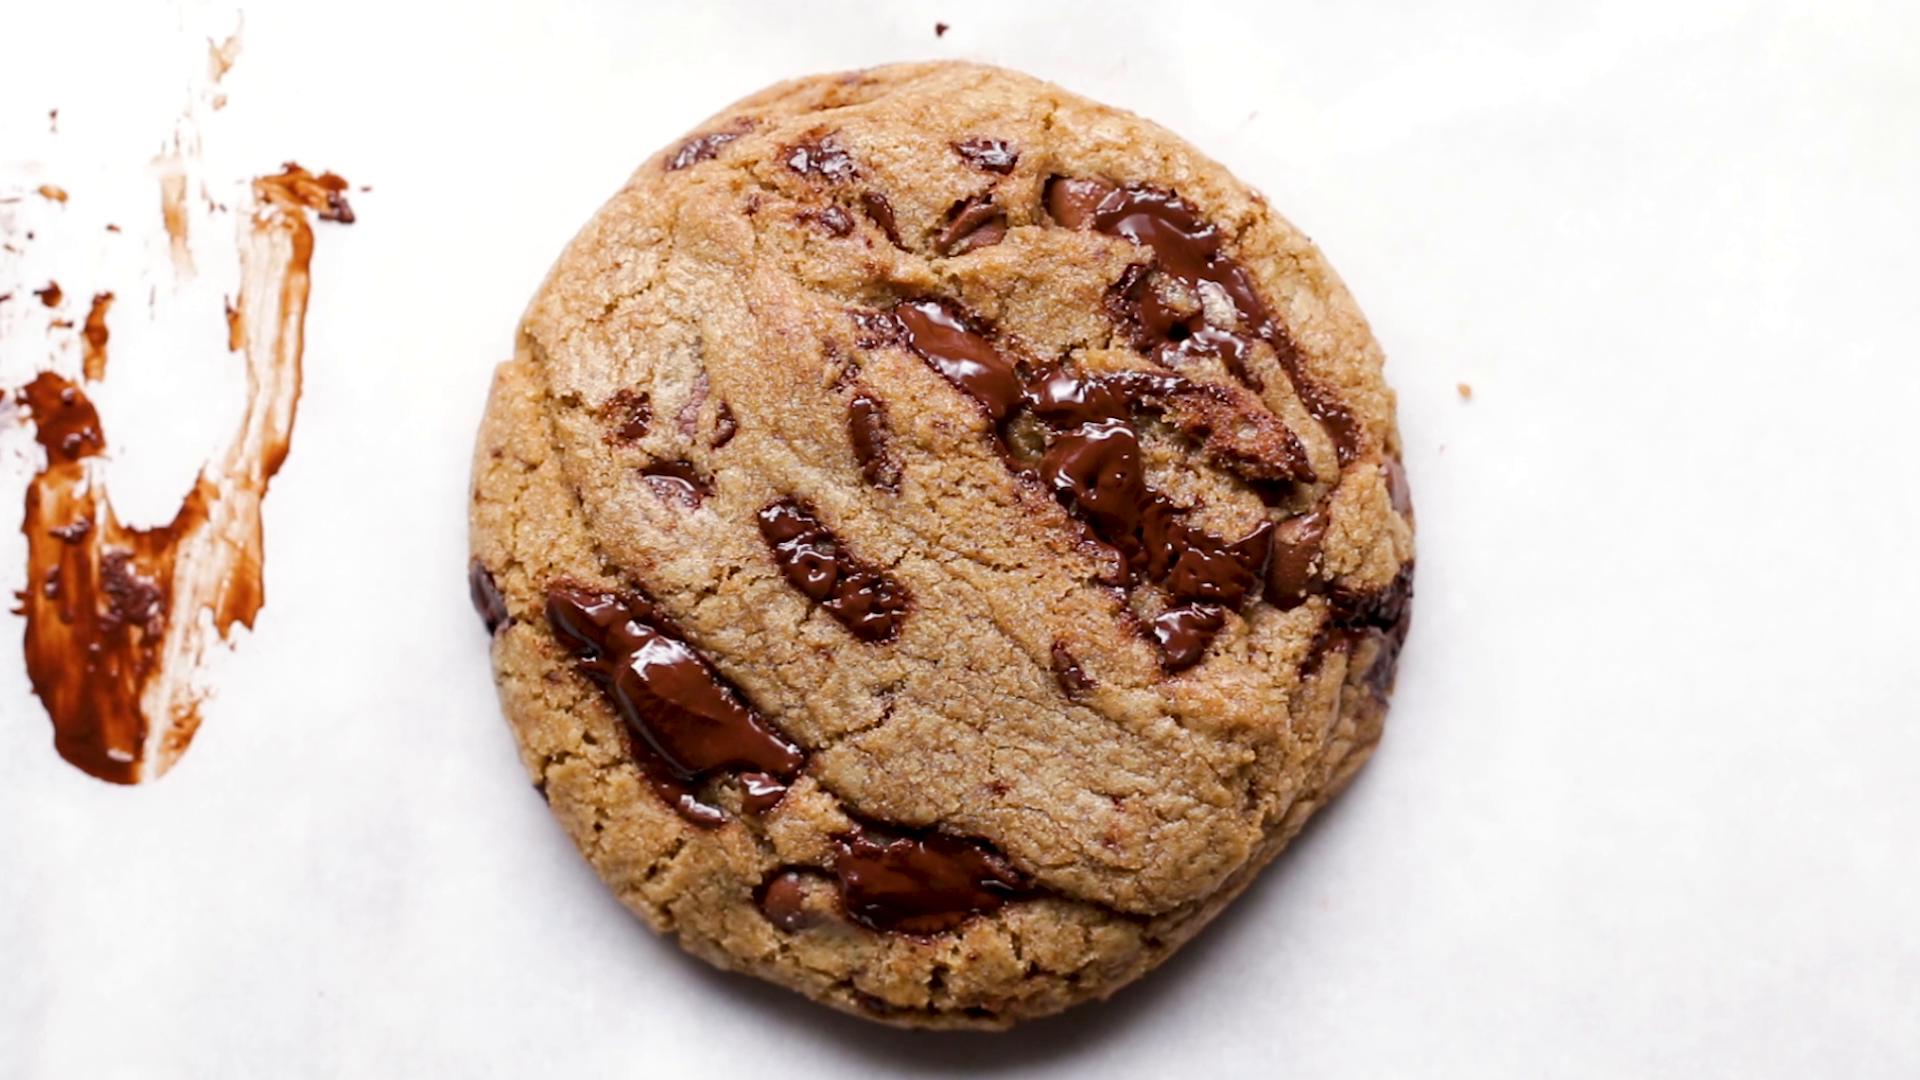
x: 940, y: 537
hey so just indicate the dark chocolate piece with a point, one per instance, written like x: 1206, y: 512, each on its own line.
x: 628, y: 413
x: 988, y: 155
x: 677, y: 482
x: 823, y: 158
x: 861, y: 598
x: 688, y: 723
x: 925, y: 883
x: 971, y: 223
x: 485, y: 593
x: 705, y: 147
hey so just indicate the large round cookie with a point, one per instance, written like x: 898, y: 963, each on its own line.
x: 941, y: 537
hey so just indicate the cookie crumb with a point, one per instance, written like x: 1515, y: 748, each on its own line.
x: 53, y: 193
x: 940, y: 29
x: 1466, y: 391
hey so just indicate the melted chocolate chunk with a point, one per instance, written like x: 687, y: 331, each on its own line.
x: 628, y: 413
x: 989, y: 155
x: 1067, y: 671
x: 1296, y: 553
x: 677, y: 482
x: 868, y: 603
x: 485, y: 593
x: 704, y: 147
x: 833, y: 219
x: 959, y: 353
x: 1185, y: 632
x: 783, y: 900
x: 1188, y: 249
x: 824, y: 158
x: 760, y: 792
x: 1071, y: 202
x: 870, y: 435
x: 688, y: 723
x: 880, y: 212
x: 971, y: 223
x: 920, y: 884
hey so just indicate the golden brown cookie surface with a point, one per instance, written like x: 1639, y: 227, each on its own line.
x: 942, y: 537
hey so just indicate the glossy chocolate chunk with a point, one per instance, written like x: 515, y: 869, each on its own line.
x: 920, y: 884
x: 487, y: 601
x: 688, y: 722
x: 677, y: 482
x: 868, y: 603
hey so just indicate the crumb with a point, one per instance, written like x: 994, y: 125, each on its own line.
x: 1466, y: 392
x: 53, y: 193
x: 940, y: 29
x: 50, y: 296
x: 111, y: 227
x: 53, y: 121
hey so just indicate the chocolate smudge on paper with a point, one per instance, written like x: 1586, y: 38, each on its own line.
x: 119, y: 619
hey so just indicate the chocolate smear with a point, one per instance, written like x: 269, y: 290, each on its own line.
x: 125, y: 616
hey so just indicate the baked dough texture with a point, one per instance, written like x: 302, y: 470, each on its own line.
x: 941, y: 537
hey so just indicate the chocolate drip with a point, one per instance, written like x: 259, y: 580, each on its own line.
x: 925, y: 883
x: 867, y: 430
x: 677, y: 482
x: 688, y: 722
x: 861, y: 598
x: 485, y: 593
x: 704, y: 147
x: 1188, y: 250
x: 988, y: 155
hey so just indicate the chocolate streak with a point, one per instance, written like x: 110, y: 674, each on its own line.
x: 115, y: 628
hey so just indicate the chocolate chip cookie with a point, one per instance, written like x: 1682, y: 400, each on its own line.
x: 940, y: 537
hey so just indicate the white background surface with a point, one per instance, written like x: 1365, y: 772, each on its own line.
x: 1649, y: 795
